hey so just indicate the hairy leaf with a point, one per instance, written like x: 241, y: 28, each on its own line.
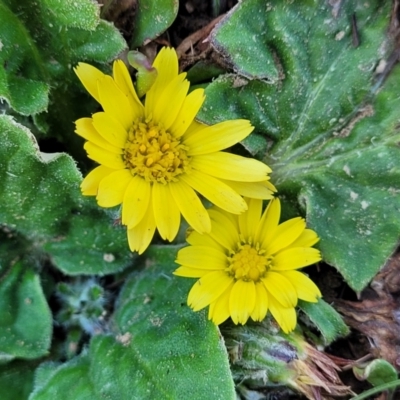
x: 93, y: 245
x: 41, y: 42
x: 37, y: 191
x: 153, y: 18
x: 68, y: 381
x: 326, y: 319
x: 16, y: 380
x: 332, y: 138
x: 26, y: 323
x: 174, y: 352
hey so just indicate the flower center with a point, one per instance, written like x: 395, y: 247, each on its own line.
x: 153, y: 153
x: 248, y: 263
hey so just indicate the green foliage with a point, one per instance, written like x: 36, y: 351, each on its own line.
x: 67, y: 381
x: 52, y: 36
x: 160, y: 348
x: 333, y: 137
x: 37, y: 190
x: 100, y: 248
x: 264, y: 357
x: 41, y: 200
x: 326, y: 319
x: 26, y: 322
x: 16, y: 379
x: 82, y: 305
x: 167, y: 337
x: 326, y: 122
x: 377, y: 372
x: 27, y: 94
x: 243, y: 39
x: 153, y: 18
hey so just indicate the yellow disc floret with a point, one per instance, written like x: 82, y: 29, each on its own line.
x: 248, y: 263
x: 153, y: 153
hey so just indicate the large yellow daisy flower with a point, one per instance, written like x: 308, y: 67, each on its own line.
x: 154, y: 157
x: 247, y: 265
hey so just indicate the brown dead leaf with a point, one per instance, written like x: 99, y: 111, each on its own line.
x: 377, y: 315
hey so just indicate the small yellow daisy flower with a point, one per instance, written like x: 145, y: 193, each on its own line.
x: 247, y: 265
x: 154, y: 157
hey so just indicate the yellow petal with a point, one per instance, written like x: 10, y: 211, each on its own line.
x: 170, y: 101
x: 110, y: 129
x: 166, y: 212
x: 198, y: 239
x: 284, y: 235
x: 242, y: 301
x: 166, y: 64
x: 217, y: 137
x: 136, y: 201
x: 114, y: 102
x: 188, y: 272
x: 295, y: 257
x: 307, y: 239
x: 281, y: 288
x: 190, y: 206
x: 103, y: 156
x: 193, y: 128
x: 202, y: 257
x: 232, y: 217
x: 89, y: 76
x: 207, y: 289
x: 231, y: 166
x: 187, y: 113
x: 261, y: 306
x: 223, y: 231
x: 269, y: 222
x: 285, y: 317
x: 219, y: 309
x: 306, y: 289
x: 124, y: 82
x: 254, y: 190
x: 140, y: 236
x: 85, y: 129
x: 90, y: 184
x: 216, y: 191
x: 112, y: 188
x: 249, y: 220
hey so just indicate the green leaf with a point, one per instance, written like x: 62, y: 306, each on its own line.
x: 326, y: 319
x: 16, y: 380
x: 101, y: 45
x: 161, y: 349
x: 327, y: 150
x: 12, y: 247
x: 377, y: 372
x: 243, y: 39
x: 66, y: 13
x: 175, y: 353
x: 40, y: 198
x: 68, y: 381
x: 153, y: 17
x: 40, y: 44
x: 93, y: 245
x: 28, y: 94
x: 26, y: 322
x: 203, y: 71
x: 255, y: 144
x: 37, y: 190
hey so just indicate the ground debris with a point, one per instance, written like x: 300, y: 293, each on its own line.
x: 377, y: 314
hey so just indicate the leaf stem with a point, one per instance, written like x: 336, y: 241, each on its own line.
x: 377, y: 389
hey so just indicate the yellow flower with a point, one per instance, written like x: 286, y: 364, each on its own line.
x: 247, y: 265
x: 154, y: 157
